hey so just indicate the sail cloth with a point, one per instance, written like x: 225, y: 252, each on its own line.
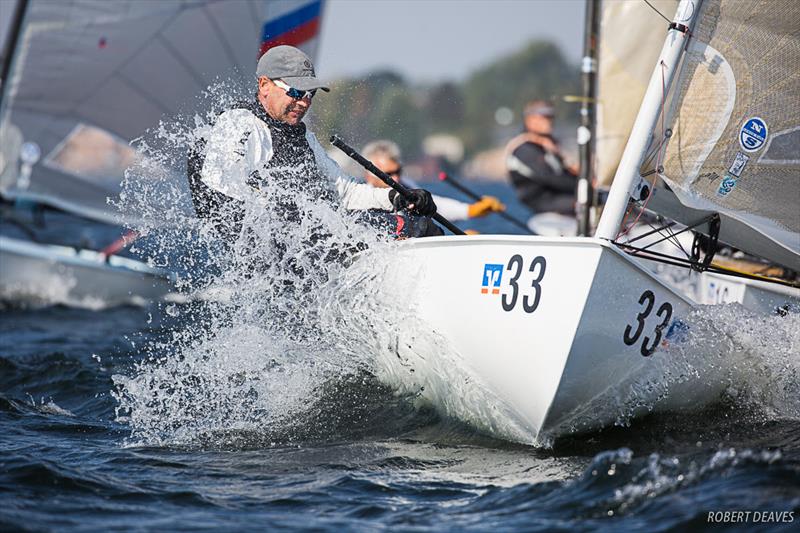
x: 735, y: 119
x: 631, y: 37
x: 89, y: 76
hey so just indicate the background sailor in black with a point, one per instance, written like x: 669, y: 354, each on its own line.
x: 542, y: 180
x: 267, y: 140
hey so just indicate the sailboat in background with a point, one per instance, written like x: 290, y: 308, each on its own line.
x: 81, y: 79
x: 562, y: 335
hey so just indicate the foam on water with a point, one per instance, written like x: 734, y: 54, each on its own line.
x: 718, y: 354
x: 751, y: 356
x: 257, y: 360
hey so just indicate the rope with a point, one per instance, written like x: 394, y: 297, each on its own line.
x: 658, y: 158
x: 692, y: 265
x: 657, y: 11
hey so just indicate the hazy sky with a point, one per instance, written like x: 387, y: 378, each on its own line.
x: 432, y: 40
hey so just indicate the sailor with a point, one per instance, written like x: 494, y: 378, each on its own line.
x: 542, y: 180
x: 385, y: 155
x: 266, y: 139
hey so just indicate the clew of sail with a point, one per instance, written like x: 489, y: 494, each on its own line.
x: 89, y: 76
x: 732, y: 140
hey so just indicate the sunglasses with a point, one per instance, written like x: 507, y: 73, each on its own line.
x: 396, y: 172
x: 296, y: 94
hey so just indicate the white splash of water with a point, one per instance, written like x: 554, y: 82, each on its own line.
x: 299, y: 304
x: 754, y: 355
x: 49, y: 407
x: 722, y: 353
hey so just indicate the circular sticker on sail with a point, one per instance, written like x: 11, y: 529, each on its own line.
x: 753, y: 134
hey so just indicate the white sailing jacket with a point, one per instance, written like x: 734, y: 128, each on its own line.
x: 240, y: 145
x: 450, y: 208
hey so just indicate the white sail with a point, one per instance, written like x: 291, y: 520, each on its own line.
x: 730, y: 82
x: 734, y: 122
x: 631, y: 36
x: 88, y: 76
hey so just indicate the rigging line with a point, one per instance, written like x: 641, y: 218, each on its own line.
x: 255, y: 17
x: 666, y: 238
x: 182, y: 61
x: 670, y: 236
x: 660, y: 14
x: 658, y: 257
x: 716, y: 269
x: 634, y: 250
x: 144, y: 93
x: 627, y: 214
x: 648, y: 158
x: 9, y: 51
x: 674, y: 239
x: 658, y: 160
x: 655, y: 230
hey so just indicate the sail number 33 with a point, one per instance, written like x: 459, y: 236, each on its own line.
x: 532, y: 296
x: 633, y: 331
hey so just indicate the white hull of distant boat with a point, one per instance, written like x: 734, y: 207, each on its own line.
x: 551, y: 335
x: 42, y: 273
x: 755, y: 295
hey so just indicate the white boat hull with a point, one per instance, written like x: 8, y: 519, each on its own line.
x: 41, y: 273
x: 584, y: 355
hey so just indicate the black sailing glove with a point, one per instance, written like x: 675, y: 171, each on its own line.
x: 420, y: 202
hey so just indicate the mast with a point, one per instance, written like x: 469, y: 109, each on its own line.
x: 10, y: 48
x: 627, y: 174
x: 586, y: 131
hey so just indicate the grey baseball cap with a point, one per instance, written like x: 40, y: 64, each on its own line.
x: 539, y: 107
x: 290, y: 65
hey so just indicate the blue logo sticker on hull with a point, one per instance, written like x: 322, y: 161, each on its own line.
x: 492, y: 275
x: 753, y: 134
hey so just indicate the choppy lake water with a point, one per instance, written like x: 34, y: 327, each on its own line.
x: 99, y: 430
